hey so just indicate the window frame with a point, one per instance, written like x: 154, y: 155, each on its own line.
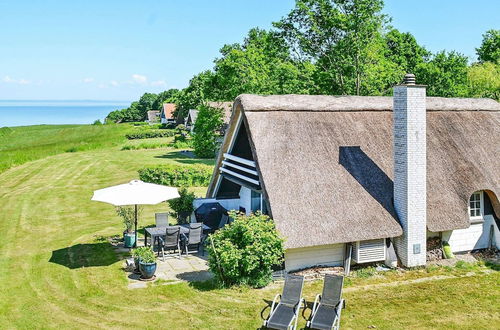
x: 476, y: 218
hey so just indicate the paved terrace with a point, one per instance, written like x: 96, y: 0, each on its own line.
x: 191, y: 268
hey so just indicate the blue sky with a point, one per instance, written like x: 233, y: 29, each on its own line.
x: 117, y: 50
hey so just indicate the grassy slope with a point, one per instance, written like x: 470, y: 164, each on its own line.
x: 56, y: 272
x: 19, y: 145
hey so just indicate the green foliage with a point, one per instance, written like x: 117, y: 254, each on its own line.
x: 445, y: 75
x: 201, y: 87
x: 489, y: 51
x: 244, y: 252
x: 484, y: 80
x: 176, y: 175
x: 128, y: 215
x: 145, y: 254
x: 206, y: 131
x: 187, y: 144
x: 97, y: 122
x: 183, y: 204
x: 148, y: 134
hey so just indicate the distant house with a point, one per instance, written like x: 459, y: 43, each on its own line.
x: 167, y: 113
x: 226, y: 108
x: 364, y: 175
x: 191, y: 119
x: 153, y: 116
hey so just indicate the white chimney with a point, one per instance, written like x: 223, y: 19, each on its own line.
x: 409, y: 116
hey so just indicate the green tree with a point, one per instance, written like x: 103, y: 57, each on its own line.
x: 146, y: 103
x: 338, y: 36
x: 489, y: 51
x: 404, y: 51
x: 206, y: 131
x: 201, y: 88
x: 484, y: 80
x: 261, y: 65
x: 445, y: 75
x: 168, y: 96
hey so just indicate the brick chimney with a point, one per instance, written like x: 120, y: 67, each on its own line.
x: 410, y: 170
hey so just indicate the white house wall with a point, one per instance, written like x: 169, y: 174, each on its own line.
x: 245, y: 200
x: 324, y: 255
x: 475, y: 237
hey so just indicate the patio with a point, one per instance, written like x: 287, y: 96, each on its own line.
x: 191, y: 268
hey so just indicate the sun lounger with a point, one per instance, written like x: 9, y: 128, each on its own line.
x: 284, y: 314
x: 328, y: 306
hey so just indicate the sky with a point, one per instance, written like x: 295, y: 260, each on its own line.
x: 117, y: 50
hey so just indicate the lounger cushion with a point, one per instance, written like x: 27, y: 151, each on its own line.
x: 324, y: 317
x: 281, y: 317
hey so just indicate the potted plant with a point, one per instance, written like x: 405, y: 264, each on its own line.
x: 128, y: 216
x: 137, y: 254
x: 147, y: 263
x: 182, y: 207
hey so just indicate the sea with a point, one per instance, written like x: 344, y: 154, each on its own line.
x: 52, y: 112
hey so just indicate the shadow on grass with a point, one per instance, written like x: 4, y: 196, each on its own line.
x: 185, y: 159
x: 85, y: 255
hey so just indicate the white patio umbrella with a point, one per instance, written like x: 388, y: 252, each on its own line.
x: 135, y: 193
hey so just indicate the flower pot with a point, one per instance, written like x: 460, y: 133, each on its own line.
x: 129, y: 240
x: 136, y: 264
x: 147, y: 269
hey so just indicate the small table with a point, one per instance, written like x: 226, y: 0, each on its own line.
x: 155, y: 232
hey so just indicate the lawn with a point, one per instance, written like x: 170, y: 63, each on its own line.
x: 59, y: 272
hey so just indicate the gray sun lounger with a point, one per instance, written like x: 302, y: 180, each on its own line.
x: 327, y: 307
x: 285, y: 313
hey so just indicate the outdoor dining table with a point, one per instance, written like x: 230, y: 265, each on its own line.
x: 155, y: 232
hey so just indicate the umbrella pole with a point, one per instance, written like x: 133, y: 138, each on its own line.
x: 135, y: 244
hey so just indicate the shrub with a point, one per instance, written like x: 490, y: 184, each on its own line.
x: 97, y: 122
x: 183, y: 204
x: 148, y: 134
x: 244, y: 252
x: 206, y: 131
x: 145, y: 145
x: 177, y: 175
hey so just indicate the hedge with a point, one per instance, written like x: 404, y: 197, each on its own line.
x: 147, y: 134
x: 197, y: 175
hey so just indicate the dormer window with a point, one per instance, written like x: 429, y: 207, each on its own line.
x: 476, y: 206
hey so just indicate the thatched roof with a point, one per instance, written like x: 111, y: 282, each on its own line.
x: 153, y: 116
x: 326, y: 163
x: 227, y: 108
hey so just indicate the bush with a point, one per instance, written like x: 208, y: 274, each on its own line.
x: 145, y: 145
x: 148, y: 134
x: 177, y: 175
x: 244, y: 252
x: 183, y: 204
x: 97, y: 122
x: 145, y: 254
x: 206, y: 131
x: 128, y: 215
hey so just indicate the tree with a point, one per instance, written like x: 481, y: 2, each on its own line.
x: 445, y: 75
x: 404, y: 51
x: 201, y: 88
x: 168, y: 96
x: 206, y: 131
x: 489, y: 51
x: 260, y: 65
x: 146, y: 103
x: 484, y: 80
x: 337, y: 36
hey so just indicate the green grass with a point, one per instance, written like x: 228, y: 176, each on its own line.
x: 19, y: 145
x: 59, y: 272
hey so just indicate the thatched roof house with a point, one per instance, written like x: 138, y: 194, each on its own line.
x: 153, y: 116
x: 323, y: 166
x: 167, y: 113
x: 226, y: 107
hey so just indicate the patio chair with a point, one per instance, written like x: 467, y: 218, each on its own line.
x: 328, y: 305
x: 194, y: 238
x: 285, y: 313
x: 171, y: 241
x: 161, y: 219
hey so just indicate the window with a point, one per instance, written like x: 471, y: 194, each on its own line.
x: 476, y: 205
x: 256, y: 201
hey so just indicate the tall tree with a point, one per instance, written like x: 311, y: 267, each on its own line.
x: 445, y: 75
x: 489, y: 51
x: 168, y: 96
x: 338, y: 36
x: 403, y: 50
x: 484, y: 80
